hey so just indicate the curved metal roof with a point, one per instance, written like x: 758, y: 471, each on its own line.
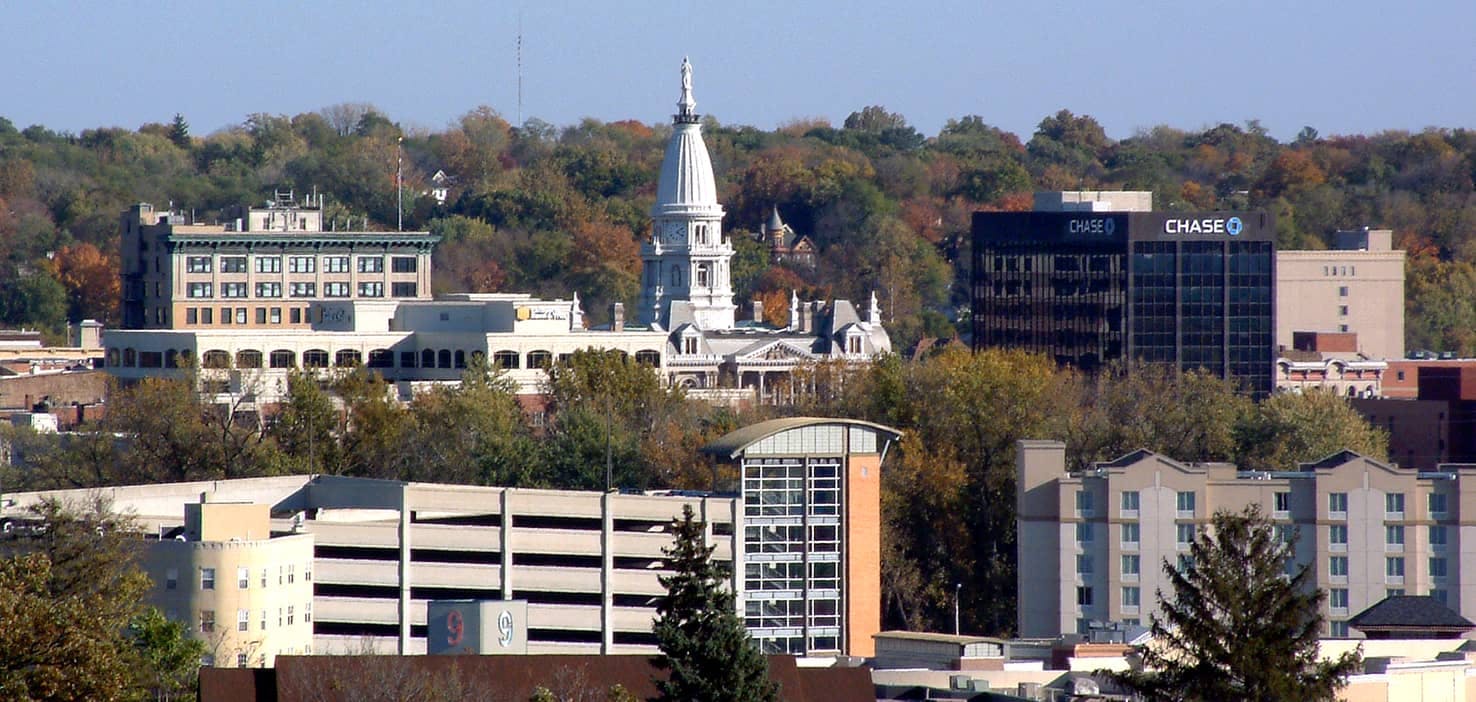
x: 734, y: 442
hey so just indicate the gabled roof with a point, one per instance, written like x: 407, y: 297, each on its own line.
x: 1410, y: 612
x: 734, y: 442
x: 1342, y: 457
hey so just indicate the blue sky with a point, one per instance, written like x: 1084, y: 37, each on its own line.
x: 1342, y: 67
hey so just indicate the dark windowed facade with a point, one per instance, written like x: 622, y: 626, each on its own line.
x: 1087, y: 288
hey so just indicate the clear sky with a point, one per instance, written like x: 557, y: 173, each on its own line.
x: 1355, y: 66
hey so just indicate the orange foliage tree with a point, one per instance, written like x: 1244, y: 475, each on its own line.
x: 91, y: 279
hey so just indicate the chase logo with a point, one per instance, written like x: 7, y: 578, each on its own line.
x: 1110, y: 226
x: 1233, y: 226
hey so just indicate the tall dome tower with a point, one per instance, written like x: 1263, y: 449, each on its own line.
x: 686, y: 258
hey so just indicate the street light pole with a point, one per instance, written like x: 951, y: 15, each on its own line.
x: 399, y: 185
x: 957, y: 592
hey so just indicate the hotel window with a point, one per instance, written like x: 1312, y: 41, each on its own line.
x: 1337, y: 503
x: 1130, y: 501
x: 243, y: 620
x: 1394, y: 504
x: 1437, y: 535
x: 1337, y: 598
x: 268, y: 289
x: 1394, y: 536
x: 1184, y: 563
x: 371, y: 264
x: 1130, y: 566
x: 1394, y: 592
x: 199, y: 290
x: 197, y: 264
x: 241, y: 315
x: 1440, y: 596
x: 371, y: 289
x: 1437, y: 566
x: 1185, y: 503
x: 402, y: 289
x: 268, y: 264
x: 274, y: 315
x: 335, y: 289
x: 296, y: 315
x: 233, y: 290
x: 207, y: 621
x: 232, y: 264
x: 207, y: 315
x: 1338, y: 630
x: 302, y: 289
x: 261, y: 315
x: 243, y: 578
x: 1394, y: 567
x: 171, y: 579
x: 402, y: 264
x: 302, y: 264
x: 1084, y: 596
x: 1337, y: 566
x: 1184, y: 534
x: 335, y: 264
x: 1282, y: 502
x: 1084, y: 532
x: 1337, y: 535
x: 192, y: 316
x: 1437, y: 502
x: 1084, y: 564
x: 1130, y: 596
x: 1083, y: 502
x: 1130, y: 532
x: 207, y: 578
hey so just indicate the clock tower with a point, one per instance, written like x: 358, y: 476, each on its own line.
x: 686, y: 257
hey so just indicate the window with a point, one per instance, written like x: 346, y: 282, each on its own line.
x: 241, y: 314
x: 199, y: 290
x: 1184, y: 534
x: 1437, y: 566
x: 1394, y: 504
x: 1130, y: 501
x: 402, y: 264
x: 1084, y: 564
x: 1394, y: 567
x: 192, y: 316
x: 263, y: 614
x: 1130, y: 566
x: 307, y: 611
x: 233, y: 290
x: 402, y: 289
x: 291, y: 574
x: 1130, y: 596
x: 371, y: 264
x: 1282, y: 502
x: 1338, y: 629
x: 268, y: 264
x: 1185, y: 562
x: 1437, y: 535
x: 264, y: 584
x: 268, y: 289
x: 1084, y: 596
x: 171, y: 579
x: 274, y: 315
x: 1342, y: 291
x: 1084, y: 532
x: 296, y: 315
x: 197, y: 264
x: 1337, y: 503
x: 335, y: 289
x: 1337, y: 598
x: 1437, y: 503
x: 1394, y: 536
x: 243, y: 620
x: 371, y: 289
x: 207, y: 621
x: 302, y: 264
x: 243, y: 578
x: 207, y: 578
x: 1185, y: 503
x: 1083, y: 502
x: 335, y: 264
x: 1342, y: 310
x: 1394, y: 592
x: 1440, y: 595
x: 1337, y: 566
x: 232, y: 264
x: 1337, y: 535
x: 241, y: 659
x: 261, y: 315
x: 1130, y: 531
x: 207, y: 315
x: 1343, y: 328
x: 289, y: 615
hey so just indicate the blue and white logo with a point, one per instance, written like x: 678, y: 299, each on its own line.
x: 1233, y: 226
x: 1110, y: 226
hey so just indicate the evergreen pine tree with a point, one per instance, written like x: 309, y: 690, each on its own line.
x: 1237, y: 627
x: 179, y: 131
x: 703, y: 643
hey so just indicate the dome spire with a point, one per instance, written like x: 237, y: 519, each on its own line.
x: 687, y: 106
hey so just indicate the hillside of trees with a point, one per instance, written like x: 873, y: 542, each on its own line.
x: 553, y: 210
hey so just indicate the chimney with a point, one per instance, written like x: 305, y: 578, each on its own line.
x: 807, y: 317
x: 758, y: 311
x: 617, y: 316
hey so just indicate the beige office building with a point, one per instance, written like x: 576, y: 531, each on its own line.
x: 1092, y: 544
x: 260, y: 269
x: 246, y: 594
x: 1357, y: 286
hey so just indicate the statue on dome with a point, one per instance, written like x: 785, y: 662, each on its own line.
x: 686, y: 105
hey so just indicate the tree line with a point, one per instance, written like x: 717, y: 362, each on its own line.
x: 948, y: 492
x: 546, y: 209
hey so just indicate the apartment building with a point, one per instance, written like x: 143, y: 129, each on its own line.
x: 245, y: 592
x: 1093, y: 543
x: 261, y: 268
x: 1357, y: 286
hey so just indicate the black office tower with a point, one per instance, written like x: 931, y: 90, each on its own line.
x: 1191, y: 289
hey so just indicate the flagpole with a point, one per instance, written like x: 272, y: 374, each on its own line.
x: 399, y: 186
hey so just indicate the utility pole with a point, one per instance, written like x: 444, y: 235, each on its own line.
x: 399, y: 185
x: 957, y: 592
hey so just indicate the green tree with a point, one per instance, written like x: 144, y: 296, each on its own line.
x: 474, y: 433
x: 1235, y: 627
x: 704, y: 646
x: 36, y: 300
x: 1292, y: 428
x: 170, y: 658
x: 307, y: 426
x: 1188, y: 416
x: 179, y: 131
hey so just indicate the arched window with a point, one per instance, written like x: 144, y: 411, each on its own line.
x: 315, y: 358
x: 114, y: 357
x: 248, y: 358
x: 505, y: 360
x: 282, y: 358
x: 443, y: 358
x: 347, y: 358
x: 460, y: 358
x: 648, y: 357
x: 381, y: 358
x: 215, y: 358
x: 539, y: 359
x: 428, y: 358
x: 130, y: 358
x: 171, y: 358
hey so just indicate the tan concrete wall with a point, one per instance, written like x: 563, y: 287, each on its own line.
x: 1308, y: 297
x: 22, y: 391
x: 863, y: 554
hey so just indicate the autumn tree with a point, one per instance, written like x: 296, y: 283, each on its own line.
x: 705, y: 648
x: 1291, y: 428
x: 1235, y: 627
x: 1189, y: 416
x: 91, y: 280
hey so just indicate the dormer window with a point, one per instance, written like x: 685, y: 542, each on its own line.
x: 853, y: 343
x: 689, y: 345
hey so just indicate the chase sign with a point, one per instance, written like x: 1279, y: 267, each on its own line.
x: 1203, y: 225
